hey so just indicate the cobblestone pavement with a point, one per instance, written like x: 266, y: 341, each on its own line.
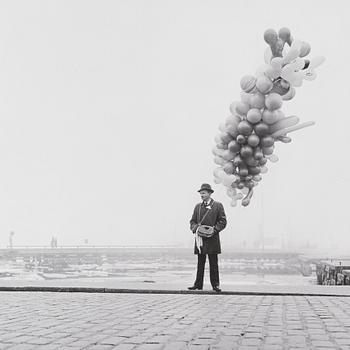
x: 33, y: 320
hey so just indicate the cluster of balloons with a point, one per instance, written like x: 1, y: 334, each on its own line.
x: 247, y: 138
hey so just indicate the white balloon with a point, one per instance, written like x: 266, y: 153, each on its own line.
x: 245, y: 190
x: 316, y: 62
x: 296, y: 44
x: 293, y: 52
x: 284, y: 123
x: 217, y: 139
x: 228, y: 155
x: 228, y: 179
x: 233, y: 107
x: 217, y: 180
x: 262, y: 69
x: 257, y: 177
x: 273, y: 158
x: 239, y: 196
x: 222, y: 175
x: 310, y: 75
x: 293, y: 128
x: 222, y: 127
x: 298, y: 64
x: 263, y: 169
x: 231, y: 192
x: 233, y: 120
x: 219, y: 161
x: 217, y: 171
x: 277, y: 62
x: 291, y: 55
x: 272, y: 73
x: 245, y: 97
x: 220, y: 152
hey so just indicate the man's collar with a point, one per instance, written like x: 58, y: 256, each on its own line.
x: 209, y: 202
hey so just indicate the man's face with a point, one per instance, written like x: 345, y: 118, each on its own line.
x: 205, y: 195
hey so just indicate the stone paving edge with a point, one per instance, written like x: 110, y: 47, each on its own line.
x: 157, y: 291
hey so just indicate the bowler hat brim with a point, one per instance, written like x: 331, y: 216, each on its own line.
x: 206, y: 189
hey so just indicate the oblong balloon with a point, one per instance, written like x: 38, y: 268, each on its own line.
x: 289, y: 95
x: 284, y: 139
x: 293, y: 128
x: 316, y: 61
x: 247, y: 198
x: 310, y: 75
x: 297, y: 44
x: 284, y: 123
x: 293, y: 52
x: 291, y: 55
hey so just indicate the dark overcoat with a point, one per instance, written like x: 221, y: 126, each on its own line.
x: 216, y: 217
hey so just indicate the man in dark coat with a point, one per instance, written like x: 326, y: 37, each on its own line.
x: 210, y: 213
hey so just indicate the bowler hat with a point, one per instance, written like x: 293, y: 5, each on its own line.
x: 206, y: 187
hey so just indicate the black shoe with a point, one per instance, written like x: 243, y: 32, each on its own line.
x: 217, y: 289
x: 194, y: 288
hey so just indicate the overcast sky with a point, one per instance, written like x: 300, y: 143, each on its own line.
x: 109, y: 109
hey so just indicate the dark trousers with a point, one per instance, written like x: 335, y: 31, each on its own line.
x: 214, y: 270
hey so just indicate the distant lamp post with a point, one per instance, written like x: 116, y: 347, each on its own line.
x: 11, y: 239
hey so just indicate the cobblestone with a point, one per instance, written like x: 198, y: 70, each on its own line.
x: 50, y: 321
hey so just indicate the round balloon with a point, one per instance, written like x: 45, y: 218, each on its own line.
x: 267, y: 141
x: 269, y: 117
x: 244, y: 128
x: 245, y: 97
x: 241, y: 139
x: 229, y: 168
x: 264, y: 84
x: 246, y: 151
x: 228, y: 155
x: 248, y: 83
x: 253, y: 140
x: 261, y: 129
x: 273, y: 101
x: 232, y: 130
x: 234, y: 146
x: 226, y: 137
x: 233, y: 120
x: 254, y: 115
x: 268, y: 150
x: 242, y: 108
x: 270, y: 36
x: 257, y: 101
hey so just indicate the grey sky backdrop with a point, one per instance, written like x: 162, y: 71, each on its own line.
x: 108, y: 112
